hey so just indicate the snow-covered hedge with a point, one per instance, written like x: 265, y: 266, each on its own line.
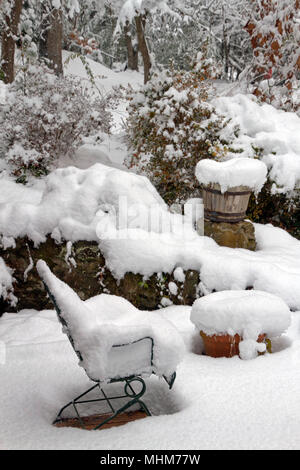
x: 272, y: 135
x: 263, y: 129
x: 45, y: 117
x: 171, y: 126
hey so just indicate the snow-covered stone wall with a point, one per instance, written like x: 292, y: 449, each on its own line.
x: 82, y: 266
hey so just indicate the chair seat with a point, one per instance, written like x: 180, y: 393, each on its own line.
x: 113, y: 338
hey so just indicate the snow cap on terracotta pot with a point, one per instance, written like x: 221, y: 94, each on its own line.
x: 231, y: 173
x: 247, y: 313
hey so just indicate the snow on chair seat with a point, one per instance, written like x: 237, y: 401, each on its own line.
x: 113, y: 340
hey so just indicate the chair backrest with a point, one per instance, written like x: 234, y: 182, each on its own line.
x: 63, y: 322
x: 72, y: 312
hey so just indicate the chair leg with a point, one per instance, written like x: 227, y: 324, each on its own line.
x: 133, y: 394
x: 134, y: 398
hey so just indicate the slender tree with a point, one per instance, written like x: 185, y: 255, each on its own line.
x: 137, y: 11
x: 50, y: 44
x: 140, y: 22
x: 9, y: 36
x: 132, y: 47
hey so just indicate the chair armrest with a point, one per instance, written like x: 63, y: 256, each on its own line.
x: 137, y: 341
x: 170, y: 380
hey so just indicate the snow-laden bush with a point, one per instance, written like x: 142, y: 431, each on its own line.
x: 172, y: 126
x: 279, y: 209
x: 46, y: 117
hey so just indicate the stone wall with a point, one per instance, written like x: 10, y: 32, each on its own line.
x: 89, y: 277
x: 232, y: 235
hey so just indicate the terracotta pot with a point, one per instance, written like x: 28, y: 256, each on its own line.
x: 224, y: 345
x: 230, y: 206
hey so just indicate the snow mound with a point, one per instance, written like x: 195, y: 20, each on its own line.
x: 232, y: 173
x: 105, y: 77
x: 264, y: 127
x: 105, y: 321
x: 274, y: 267
x: 30, y: 327
x: 75, y: 201
x: 246, y: 313
x: 249, y: 348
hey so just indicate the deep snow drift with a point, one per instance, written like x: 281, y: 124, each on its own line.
x: 74, y: 201
x: 214, y: 404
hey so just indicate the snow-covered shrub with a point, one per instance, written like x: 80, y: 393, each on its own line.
x: 281, y: 210
x: 172, y: 126
x: 275, y: 34
x: 46, y: 117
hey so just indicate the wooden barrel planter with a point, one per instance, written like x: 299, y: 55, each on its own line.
x: 224, y: 345
x: 230, y: 206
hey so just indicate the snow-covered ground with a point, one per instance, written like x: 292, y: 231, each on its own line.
x: 112, y: 150
x: 215, y: 403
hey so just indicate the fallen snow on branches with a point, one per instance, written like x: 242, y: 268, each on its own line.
x: 264, y: 127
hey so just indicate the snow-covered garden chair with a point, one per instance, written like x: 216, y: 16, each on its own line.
x: 115, y: 342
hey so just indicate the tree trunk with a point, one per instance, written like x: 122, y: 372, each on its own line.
x: 45, y: 25
x: 143, y: 48
x: 225, y: 45
x: 8, y: 41
x: 132, y: 51
x: 50, y: 44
